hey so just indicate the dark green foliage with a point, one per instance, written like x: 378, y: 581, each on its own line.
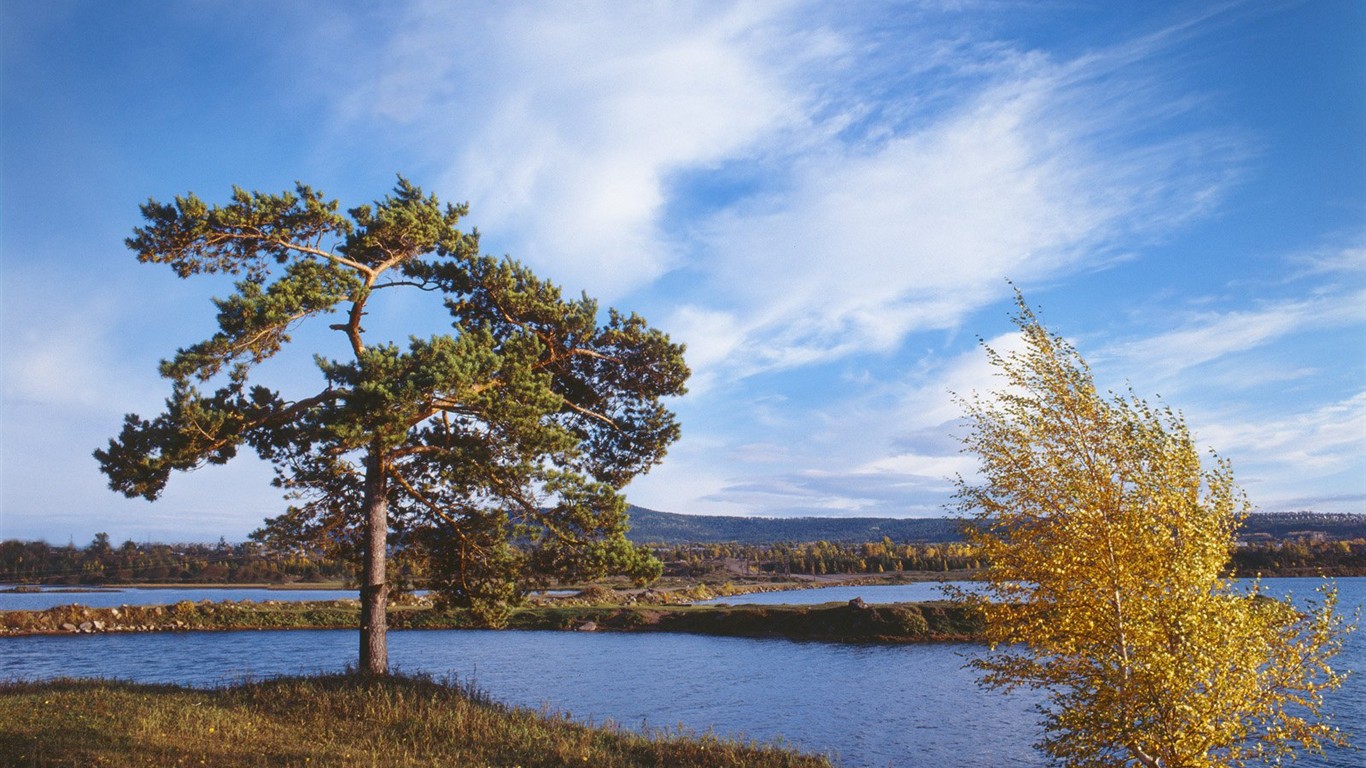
x: 37, y: 562
x: 818, y: 558
x: 491, y: 452
x: 830, y: 622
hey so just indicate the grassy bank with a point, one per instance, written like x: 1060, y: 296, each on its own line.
x: 325, y: 721
x: 830, y: 622
x: 833, y: 622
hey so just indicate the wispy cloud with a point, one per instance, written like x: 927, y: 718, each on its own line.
x: 1347, y: 256
x: 1319, y: 441
x: 1206, y: 337
x: 822, y: 200
x: 855, y: 219
x: 565, y: 123
x: 61, y: 347
x: 1035, y: 171
x: 1325, y: 444
x: 789, y: 189
x: 888, y: 446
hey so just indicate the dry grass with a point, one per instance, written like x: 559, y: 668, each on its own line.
x: 328, y: 721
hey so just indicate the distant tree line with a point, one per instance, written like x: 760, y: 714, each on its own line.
x: 1278, y: 526
x: 1301, y: 557
x: 1294, y: 557
x: 656, y: 528
x: 820, y: 558
x: 649, y: 526
x: 100, y: 562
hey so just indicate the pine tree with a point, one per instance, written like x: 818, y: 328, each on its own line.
x: 493, y: 449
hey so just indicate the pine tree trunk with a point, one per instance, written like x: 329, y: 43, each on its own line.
x: 374, y: 592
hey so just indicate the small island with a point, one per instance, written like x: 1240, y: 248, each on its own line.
x: 593, y: 610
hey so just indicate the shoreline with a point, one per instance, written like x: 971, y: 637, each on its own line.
x: 106, y: 588
x: 740, y: 584
x: 851, y: 622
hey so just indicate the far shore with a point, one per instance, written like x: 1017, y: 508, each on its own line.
x: 739, y: 583
x: 602, y: 611
x: 79, y: 589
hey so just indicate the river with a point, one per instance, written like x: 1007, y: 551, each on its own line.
x: 867, y: 705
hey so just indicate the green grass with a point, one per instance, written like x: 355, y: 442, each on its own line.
x: 325, y: 721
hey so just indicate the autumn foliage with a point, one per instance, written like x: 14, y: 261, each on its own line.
x: 1105, y: 536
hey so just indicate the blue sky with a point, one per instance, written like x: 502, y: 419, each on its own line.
x: 823, y: 200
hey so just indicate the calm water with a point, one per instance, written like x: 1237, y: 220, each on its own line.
x: 874, y: 706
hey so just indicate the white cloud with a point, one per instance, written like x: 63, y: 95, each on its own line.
x: 1319, y: 440
x: 866, y: 218
x: 1166, y: 358
x: 74, y: 361
x: 60, y: 368
x: 564, y: 123
x: 912, y: 465
x: 61, y: 350
x: 925, y: 401
x: 797, y: 190
x: 1036, y: 174
x: 1346, y: 259
x: 1325, y: 444
x: 692, y: 479
x: 711, y: 337
x: 874, y: 446
x: 861, y: 218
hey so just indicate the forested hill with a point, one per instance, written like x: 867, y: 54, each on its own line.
x: 650, y: 526
x: 1298, y: 525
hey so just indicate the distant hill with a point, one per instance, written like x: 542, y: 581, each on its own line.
x: 649, y: 526
x: 1299, y: 525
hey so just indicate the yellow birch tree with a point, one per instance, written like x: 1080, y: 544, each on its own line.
x: 1106, y: 539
